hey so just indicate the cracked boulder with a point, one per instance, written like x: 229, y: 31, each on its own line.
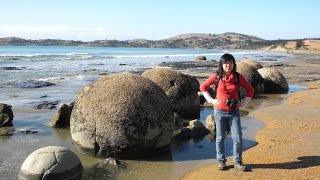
x: 51, y: 162
x: 181, y: 89
x: 252, y: 76
x: 122, y: 115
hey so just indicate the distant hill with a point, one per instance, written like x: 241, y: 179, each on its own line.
x: 234, y: 37
x: 227, y: 40
x: 297, y: 46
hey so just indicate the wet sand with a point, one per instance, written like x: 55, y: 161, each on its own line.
x: 288, y: 147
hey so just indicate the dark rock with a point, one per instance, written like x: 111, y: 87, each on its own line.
x: 195, y: 130
x: 62, y: 117
x: 179, y: 123
x: 33, y: 84
x: 189, y: 64
x: 6, y: 115
x: 11, y: 68
x: 48, y: 105
x: 26, y: 131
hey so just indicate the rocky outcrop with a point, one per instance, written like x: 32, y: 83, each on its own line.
x: 274, y: 81
x: 122, y: 115
x: 47, y: 105
x: 62, y: 118
x: 181, y: 89
x: 33, y: 84
x: 182, y: 65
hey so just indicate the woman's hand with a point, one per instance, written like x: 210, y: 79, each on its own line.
x: 215, y: 102
x: 244, y: 102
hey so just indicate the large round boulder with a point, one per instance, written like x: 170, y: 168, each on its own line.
x: 181, y: 89
x: 252, y: 76
x: 122, y: 115
x: 274, y: 81
x: 51, y: 162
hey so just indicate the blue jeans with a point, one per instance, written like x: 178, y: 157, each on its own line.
x: 233, y: 118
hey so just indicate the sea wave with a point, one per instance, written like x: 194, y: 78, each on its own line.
x: 67, y: 78
x: 41, y: 54
x: 117, y: 55
x: 161, y: 55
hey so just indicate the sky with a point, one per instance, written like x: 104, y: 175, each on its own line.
x: 89, y: 20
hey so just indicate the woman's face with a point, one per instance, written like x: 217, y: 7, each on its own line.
x: 228, y: 67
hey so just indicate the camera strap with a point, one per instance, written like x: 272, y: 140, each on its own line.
x: 225, y: 88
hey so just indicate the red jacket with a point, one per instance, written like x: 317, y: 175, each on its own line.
x: 226, y: 88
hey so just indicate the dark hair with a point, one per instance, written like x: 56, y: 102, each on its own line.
x: 226, y: 58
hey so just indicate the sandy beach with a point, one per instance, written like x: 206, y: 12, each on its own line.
x: 289, y: 145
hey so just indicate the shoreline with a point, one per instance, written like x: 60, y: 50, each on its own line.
x: 17, y: 147
x: 288, y: 146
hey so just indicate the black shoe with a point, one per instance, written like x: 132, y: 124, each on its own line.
x: 240, y: 166
x: 222, y: 165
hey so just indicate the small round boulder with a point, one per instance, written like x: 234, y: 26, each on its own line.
x: 201, y: 58
x: 274, y: 81
x: 51, y: 162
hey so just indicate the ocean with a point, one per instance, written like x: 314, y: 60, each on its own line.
x: 31, y: 75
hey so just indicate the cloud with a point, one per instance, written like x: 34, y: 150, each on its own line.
x: 59, y: 32
x: 286, y: 35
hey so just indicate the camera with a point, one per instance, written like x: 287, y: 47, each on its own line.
x: 232, y: 103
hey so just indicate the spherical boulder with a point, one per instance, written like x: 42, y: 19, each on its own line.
x: 201, y: 58
x: 122, y: 115
x: 181, y: 89
x: 274, y: 81
x: 51, y: 162
x: 253, y: 63
x: 252, y: 76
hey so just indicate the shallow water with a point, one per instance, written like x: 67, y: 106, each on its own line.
x: 182, y: 157
x: 71, y: 68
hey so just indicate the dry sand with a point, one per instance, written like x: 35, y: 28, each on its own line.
x: 289, y: 146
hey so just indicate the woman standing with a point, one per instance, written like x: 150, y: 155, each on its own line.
x: 226, y: 107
